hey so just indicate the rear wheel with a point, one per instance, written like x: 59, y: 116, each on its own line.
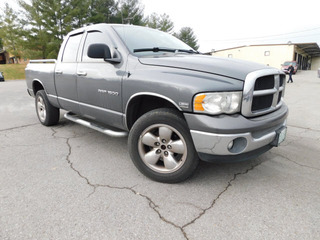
x: 161, y: 146
x: 48, y: 115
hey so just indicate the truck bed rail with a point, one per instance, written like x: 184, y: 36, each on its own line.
x: 44, y: 61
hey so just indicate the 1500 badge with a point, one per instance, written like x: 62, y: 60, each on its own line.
x: 113, y: 93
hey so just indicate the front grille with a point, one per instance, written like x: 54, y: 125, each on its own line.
x: 261, y: 103
x: 263, y: 92
x: 263, y: 83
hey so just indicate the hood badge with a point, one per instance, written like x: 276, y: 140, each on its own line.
x: 183, y: 104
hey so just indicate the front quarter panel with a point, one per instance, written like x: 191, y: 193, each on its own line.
x: 178, y: 85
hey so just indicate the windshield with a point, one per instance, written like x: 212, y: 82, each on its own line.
x: 289, y: 63
x: 136, y: 37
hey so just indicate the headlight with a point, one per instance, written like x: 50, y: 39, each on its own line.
x: 217, y: 103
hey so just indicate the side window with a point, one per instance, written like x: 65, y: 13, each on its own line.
x: 71, y: 48
x: 92, y: 38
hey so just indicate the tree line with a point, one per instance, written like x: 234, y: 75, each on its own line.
x: 38, y: 29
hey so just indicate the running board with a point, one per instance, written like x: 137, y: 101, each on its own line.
x: 109, y: 132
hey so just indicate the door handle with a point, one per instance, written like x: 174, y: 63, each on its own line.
x: 81, y: 73
x: 58, y: 72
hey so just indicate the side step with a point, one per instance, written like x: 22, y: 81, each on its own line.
x: 74, y: 118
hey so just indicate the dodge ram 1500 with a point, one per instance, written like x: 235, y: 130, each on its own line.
x: 176, y: 105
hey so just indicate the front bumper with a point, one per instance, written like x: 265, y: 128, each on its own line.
x: 235, y: 137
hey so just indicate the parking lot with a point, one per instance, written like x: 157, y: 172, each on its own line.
x: 70, y: 182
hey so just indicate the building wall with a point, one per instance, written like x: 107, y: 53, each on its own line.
x: 270, y: 55
x: 315, y: 63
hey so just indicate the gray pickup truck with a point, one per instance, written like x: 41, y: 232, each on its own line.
x: 176, y: 105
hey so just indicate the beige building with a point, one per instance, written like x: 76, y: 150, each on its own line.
x: 306, y: 54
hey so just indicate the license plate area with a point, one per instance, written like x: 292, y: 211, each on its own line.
x: 280, y: 137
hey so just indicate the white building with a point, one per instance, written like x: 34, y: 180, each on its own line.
x: 306, y: 54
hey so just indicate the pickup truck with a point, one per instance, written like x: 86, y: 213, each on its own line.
x: 176, y: 105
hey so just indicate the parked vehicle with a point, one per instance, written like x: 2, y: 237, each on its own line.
x: 285, y: 66
x: 1, y: 77
x: 177, y: 105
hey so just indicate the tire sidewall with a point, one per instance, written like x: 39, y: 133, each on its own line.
x: 52, y: 113
x: 174, y: 119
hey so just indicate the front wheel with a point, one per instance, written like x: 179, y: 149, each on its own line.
x: 48, y: 115
x: 161, y: 146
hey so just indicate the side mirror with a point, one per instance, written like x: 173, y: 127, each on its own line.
x: 99, y: 51
x: 103, y: 51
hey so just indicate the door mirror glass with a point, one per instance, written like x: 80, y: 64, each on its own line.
x: 99, y: 51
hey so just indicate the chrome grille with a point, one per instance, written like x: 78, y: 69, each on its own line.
x: 263, y: 91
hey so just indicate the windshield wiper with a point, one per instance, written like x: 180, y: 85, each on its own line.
x: 187, y: 51
x: 157, y: 49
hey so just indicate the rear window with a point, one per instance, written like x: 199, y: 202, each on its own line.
x: 71, y: 49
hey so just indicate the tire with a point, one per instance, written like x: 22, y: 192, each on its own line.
x: 47, y: 114
x: 161, y: 147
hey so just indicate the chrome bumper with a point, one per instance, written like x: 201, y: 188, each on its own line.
x: 236, y: 135
x: 232, y: 144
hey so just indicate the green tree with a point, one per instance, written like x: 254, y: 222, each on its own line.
x: 10, y: 30
x: 46, y: 23
x: 187, y: 35
x: 78, y: 12
x: 1, y: 45
x: 130, y: 12
x: 36, y: 36
x: 103, y: 11
x: 161, y: 22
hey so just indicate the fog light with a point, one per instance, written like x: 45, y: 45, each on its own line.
x: 230, y: 145
x: 237, y: 145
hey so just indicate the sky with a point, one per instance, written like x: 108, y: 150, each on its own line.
x: 220, y: 24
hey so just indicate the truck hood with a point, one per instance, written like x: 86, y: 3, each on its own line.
x: 233, y: 68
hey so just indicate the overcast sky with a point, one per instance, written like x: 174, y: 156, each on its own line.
x: 222, y: 24
x: 228, y: 23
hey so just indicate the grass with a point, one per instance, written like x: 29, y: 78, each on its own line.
x: 13, y: 71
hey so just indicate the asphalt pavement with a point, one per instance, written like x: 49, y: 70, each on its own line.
x: 70, y: 182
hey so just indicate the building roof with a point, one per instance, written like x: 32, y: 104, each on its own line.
x: 311, y: 49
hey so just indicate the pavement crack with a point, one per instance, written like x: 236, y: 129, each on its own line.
x: 23, y: 126
x: 192, y: 205
x: 152, y: 205
x: 73, y: 168
x: 305, y: 128
x: 155, y: 208
x: 299, y: 164
x: 203, y: 212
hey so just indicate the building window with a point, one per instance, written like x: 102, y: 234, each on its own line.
x: 267, y: 53
x: 230, y: 56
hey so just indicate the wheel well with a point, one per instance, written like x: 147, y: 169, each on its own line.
x: 143, y: 104
x: 37, y: 86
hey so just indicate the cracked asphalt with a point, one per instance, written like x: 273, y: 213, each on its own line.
x: 70, y: 182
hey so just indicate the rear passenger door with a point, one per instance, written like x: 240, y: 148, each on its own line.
x: 99, y: 83
x: 65, y: 74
